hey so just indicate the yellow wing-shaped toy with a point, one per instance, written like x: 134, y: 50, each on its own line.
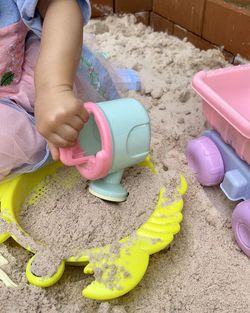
x: 117, y: 268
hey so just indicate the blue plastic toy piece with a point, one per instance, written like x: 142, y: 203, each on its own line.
x: 109, y: 188
x: 130, y: 127
x: 116, y: 136
x: 130, y: 79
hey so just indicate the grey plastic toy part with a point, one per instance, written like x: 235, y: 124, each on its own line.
x: 109, y: 188
x: 234, y: 185
x: 236, y: 182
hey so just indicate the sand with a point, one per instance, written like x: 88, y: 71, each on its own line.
x: 203, y: 270
x: 68, y: 219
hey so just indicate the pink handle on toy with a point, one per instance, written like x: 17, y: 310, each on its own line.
x: 73, y: 156
x: 91, y: 167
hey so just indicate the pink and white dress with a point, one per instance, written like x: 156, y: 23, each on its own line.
x: 22, y: 148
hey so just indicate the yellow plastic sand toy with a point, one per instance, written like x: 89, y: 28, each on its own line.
x: 117, y: 268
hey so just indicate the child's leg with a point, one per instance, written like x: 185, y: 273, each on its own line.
x: 21, y: 146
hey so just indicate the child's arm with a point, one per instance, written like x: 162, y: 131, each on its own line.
x: 59, y: 114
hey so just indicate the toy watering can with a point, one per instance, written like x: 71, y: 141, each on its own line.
x: 116, y: 136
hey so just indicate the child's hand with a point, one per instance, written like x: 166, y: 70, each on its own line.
x: 59, y: 117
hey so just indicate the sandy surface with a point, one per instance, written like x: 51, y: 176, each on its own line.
x: 68, y: 219
x: 204, y: 270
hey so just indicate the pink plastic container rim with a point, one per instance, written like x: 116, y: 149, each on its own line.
x: 218, y: 102
x: 92, y: 167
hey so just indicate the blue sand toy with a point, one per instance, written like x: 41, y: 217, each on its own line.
x: 116, y: 136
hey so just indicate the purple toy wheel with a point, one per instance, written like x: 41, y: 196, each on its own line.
x: 241, y: 226
x: 205, y: 160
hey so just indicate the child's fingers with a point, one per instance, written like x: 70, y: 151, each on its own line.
x: 54, y: 151
x: 68, y: 133
x: 76, y: 123
x: 83, y: 114
x: 58, y: 141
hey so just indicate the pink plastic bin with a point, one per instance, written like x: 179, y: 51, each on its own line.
x: 226, y: 104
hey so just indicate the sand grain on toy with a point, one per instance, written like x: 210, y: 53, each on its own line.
x: 203, y: 271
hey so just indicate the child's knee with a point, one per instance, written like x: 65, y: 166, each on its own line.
x: 20, y: 143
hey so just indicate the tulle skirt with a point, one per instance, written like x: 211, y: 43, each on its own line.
x: 22, y: 148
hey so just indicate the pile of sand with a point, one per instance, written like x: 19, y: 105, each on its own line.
x: 68, y: 219
x: 203, y: 271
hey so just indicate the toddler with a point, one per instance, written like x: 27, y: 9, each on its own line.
x: 45, y: 76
